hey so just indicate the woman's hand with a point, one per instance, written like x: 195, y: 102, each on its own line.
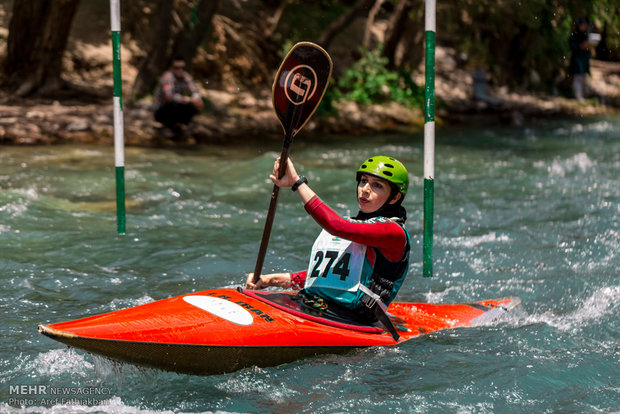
x: 290, y: 176
x: 273, y: 279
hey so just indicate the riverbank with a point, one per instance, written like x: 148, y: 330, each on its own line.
x: 231, y: 116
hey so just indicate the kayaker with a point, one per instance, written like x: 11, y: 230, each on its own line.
x: 359, y: 263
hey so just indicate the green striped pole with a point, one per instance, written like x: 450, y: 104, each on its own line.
x: 429, y: 137
x: 119, y: 138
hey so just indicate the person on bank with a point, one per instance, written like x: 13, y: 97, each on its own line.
x: 359, y: 263
x: 580, y: 57
x: 177, y: 99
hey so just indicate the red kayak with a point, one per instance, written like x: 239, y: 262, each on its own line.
x: 223, y: 330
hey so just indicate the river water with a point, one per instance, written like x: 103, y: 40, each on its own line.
x: 532, y: 212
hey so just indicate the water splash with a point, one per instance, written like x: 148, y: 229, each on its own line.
x: 16, y: 202
x: 579, y: 162
x: 61, y: 361
x: 561, y: 167
x: 123, y: 303
x: 603, y: 302
x: 473, y: 241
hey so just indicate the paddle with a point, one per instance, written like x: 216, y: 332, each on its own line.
x: 297, y: 91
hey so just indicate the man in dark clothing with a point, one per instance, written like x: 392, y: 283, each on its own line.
x: 177, y: 99
x: 580, y: 57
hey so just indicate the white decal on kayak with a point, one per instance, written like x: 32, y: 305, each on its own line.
x: 222, y: 308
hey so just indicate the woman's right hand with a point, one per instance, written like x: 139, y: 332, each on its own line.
x: 290, y: 175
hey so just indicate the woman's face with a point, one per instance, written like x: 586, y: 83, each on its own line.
x: 372, y: 193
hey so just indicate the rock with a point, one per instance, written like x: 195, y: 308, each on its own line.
x: 36, y: 114
x: 25, y: 133
x: 100, y: 118
x: 9, y: 120
x: 78, y: 126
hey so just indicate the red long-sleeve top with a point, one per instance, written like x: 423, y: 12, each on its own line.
x: 387, y: 236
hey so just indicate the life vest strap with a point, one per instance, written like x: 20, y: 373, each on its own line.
x: 373, y: 302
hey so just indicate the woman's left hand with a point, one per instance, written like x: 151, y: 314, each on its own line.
x: 273, y: 279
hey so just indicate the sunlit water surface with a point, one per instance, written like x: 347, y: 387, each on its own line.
x: 531, y: 212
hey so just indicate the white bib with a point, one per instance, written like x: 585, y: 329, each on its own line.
x: 335, y: 263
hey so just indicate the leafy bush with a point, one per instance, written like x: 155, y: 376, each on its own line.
x: 370, y: 81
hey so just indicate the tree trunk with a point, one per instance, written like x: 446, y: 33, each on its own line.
x: 157, y: 55
x: 395, y: 30
x: 361, y: 8
x: 38, y: 34
x: 274, y: 20
x: 160, y: 51
x: 370, y: 21
x: 411, y: 50
x: 194, y: 30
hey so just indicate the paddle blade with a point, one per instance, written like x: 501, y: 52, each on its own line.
x: 300, y: 85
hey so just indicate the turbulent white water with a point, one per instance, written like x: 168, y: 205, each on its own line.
x: 531, y: 212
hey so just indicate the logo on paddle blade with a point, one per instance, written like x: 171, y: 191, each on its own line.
x: 300, y: 84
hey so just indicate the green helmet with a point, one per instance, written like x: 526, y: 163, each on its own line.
x: 388, y: 168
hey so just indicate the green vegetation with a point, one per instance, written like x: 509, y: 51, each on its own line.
x: 520, y: 43
x: 370, y: 81
x: 525, y: 42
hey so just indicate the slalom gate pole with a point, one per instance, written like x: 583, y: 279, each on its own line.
x: 119, y: 138
x: 429, y: 136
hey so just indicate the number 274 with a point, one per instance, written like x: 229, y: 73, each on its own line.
x: 341, y: 267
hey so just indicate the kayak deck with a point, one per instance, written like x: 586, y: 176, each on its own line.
x: 222, y: 330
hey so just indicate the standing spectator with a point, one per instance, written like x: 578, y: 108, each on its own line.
x: 580, y: 57
x: 177, y: 99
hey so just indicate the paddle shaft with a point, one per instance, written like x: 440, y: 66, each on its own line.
x: 297, y: 91
x: 271, y: 213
